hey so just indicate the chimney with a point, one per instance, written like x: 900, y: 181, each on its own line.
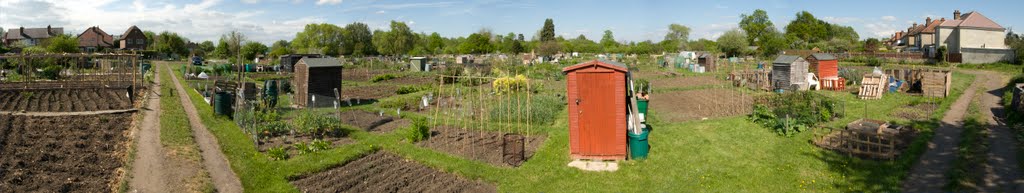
x: 928, y: 20
x: 49, y: 30
x: 22, y: 31
x: 943, y: 19
x: 956, y: 15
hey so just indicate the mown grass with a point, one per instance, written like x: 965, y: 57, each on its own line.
x: 176, y: 133
x: 727, y: 154
x: 967, y: 174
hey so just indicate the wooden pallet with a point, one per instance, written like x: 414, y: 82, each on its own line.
x: 873, y: 86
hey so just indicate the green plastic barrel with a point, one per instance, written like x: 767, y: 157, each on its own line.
x: 270, y: 92
x: 222, y: 104
x: 638, y: 145
x: 250, y: 67
x: 641, y: 104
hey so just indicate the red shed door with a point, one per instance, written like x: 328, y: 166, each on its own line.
x: 596, y: 112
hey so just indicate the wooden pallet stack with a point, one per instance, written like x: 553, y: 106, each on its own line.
x: 834, y: 85
x: 753, y: 79
x: 873, y: 86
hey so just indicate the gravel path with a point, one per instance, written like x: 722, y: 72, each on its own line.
x: 929, y: 173
x: 224, y: 179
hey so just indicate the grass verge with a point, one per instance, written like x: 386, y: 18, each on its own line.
x: 967, y: 174
x: 176, y: 135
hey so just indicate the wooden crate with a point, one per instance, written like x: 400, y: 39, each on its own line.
x: 755, y: 79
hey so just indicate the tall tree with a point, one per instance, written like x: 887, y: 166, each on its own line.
x: 547, y: 33
x: 251, y: 49
x: 608, y: 40
x: 170, y: 43
x: 321, y: 38
x: 678, y: 35
x: 222, y: 50
x: 733, y: 42
x: 398, y: 41
x: 871, y: 45
x: 476, y: 43
x: 358, y: 40
x: 279, y: 48
x: 807, y: 28
x: 234, y: 40
x: 150, y: 38
x: 205, y: 48
x: 757, y: 26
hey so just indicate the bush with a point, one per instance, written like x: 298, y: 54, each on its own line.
x: 409, y: 89
x: 419, y: 131
x: 51, y: 72
x: 791, y: 113
x: 277, y: 153
x: 873, y: 61
x: 383, y: 77
x: 318, y: 125
x: 505, y: 85
x: 451, y: 75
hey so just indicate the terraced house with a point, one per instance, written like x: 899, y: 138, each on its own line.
x: 30, y: 36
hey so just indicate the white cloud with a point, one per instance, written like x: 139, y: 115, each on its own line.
x: 332, y: 2
x: 251, y: 1
x: 711, y: 31
x: 889, y: 18
x: 381, y: 12
x: 398, y: 5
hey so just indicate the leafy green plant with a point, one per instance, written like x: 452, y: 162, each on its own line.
x: 51, y: 72
x: 539, y: 109
x: 304, y: 148
x: 272, y: 129
x: 419, y: 130
x: 320, y: 145
x: 318, y: 125
x: 791, y: 113
x: 383, y: 77
x: 277, y: 153
x: 874, y: 61
x: 409, y: 89
x: 510, y: 84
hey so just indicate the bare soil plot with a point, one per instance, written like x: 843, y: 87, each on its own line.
x: 62, y: 154
x: 485, y: 146
x: 373, y: 122
x: 386, y: 172
x: 698, y: 104
x: 414, y: 80
x: 289, y: 141
x: 363, y: 75
x: 687, y: 81
x: 369, y: 92
x: 922, y: 111
x: 64, y: 100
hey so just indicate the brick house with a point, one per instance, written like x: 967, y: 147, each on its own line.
x: 95, y: 39
x: 132, y: 39
x: 30, y: 36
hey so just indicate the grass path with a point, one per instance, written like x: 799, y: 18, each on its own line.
x: 1001, y: 171
x: 929, y: 173
x: 224, y: 179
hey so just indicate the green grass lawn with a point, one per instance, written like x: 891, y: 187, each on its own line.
x: 717, y: 155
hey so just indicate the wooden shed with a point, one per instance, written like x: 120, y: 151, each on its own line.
x: 708, y: 61
x: 315, y: 81
x: 419, y: 64
x: 825, y: 65
x: 597, y: 110
x: 288, y: 60
x: 789, y: 72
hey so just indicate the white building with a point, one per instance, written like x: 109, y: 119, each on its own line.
x: 974, y: 38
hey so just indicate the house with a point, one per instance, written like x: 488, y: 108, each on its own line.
x: 132, y: 39
x: 825, y: 65
x: 596, y: 91
x: 896, y: 39
x: 30, y: 36
x: 95, y: 39
x: 911, y: 37
x: 926, y: 37
x: 316, y: 80
x: 419, y: 64
x: 973, y: 38
x: 288, y: 60
x: 789, y: 72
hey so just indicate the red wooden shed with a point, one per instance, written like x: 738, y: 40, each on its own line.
x: 597, y: 110
x: 825, y: 65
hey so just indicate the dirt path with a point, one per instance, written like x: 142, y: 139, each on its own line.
x: 224, y: 179
x: 147, y: 170
x: 1002, y: 173
x: 929, y: 173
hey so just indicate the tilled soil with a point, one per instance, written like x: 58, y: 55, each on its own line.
x: 289, y: 141
x: 485, y: 146
x: 921, y: 111
x: 369, y: 92
x: 64, y: 100
x: 415, y: 80
x: 386, y: 172
x: 688, y: 81
x: 698, y: 104
x: 363, y: 74
x: 373, y: 122
x: 61, y: 154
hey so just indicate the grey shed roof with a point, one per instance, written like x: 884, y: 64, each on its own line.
x: 17, y: 34
x: 614, y: 63
x: 321, y: 62
x: 786, y: 59
x: 823, y: 56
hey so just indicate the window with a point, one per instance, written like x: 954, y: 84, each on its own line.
x: 140, y: 41
x: 129, y: 41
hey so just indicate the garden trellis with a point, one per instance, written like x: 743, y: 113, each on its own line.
x: 462, y: 102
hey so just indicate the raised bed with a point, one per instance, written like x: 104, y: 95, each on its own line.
x: 487, y: 146
x: 386, y: 172
x: 64, y: 100
x: 61, y: 154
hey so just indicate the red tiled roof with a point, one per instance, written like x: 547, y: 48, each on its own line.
x: 106, y: 39
x: 975, y: 19
x: 915, y: 30
x: 930, y: 28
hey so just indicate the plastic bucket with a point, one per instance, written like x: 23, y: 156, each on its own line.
x: 638, y: 145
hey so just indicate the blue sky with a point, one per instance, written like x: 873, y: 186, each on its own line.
x: 270, y: 20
